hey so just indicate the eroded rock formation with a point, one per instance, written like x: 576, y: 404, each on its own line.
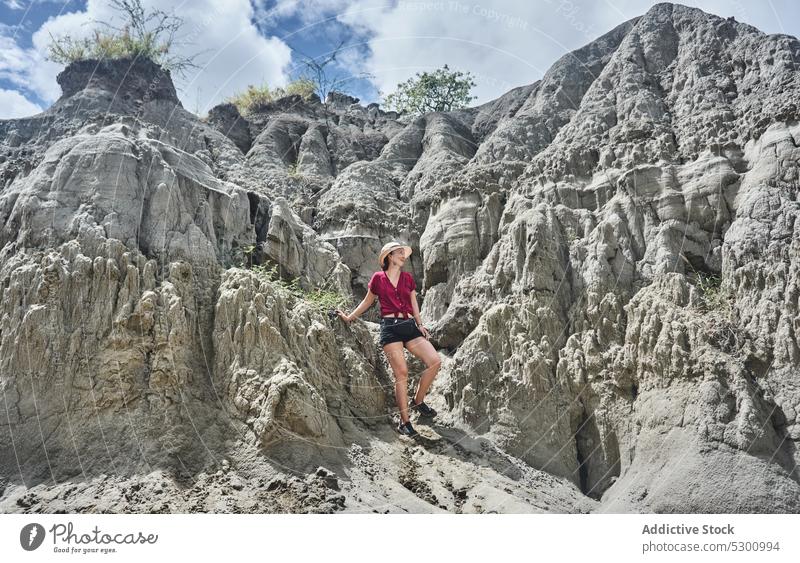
x: 608, y: 259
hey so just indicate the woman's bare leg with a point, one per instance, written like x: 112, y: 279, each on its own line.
x: 397, y: 359
x: 425, y: 351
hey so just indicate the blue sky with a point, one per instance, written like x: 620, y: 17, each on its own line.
x: 504, y: 43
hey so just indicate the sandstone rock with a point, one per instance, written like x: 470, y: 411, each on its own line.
x: 607, y: 259
x: 227, y: 119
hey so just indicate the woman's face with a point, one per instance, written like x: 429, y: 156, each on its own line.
x: 398, y: 256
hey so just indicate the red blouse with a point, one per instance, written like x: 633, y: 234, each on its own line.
x: 393, y: 299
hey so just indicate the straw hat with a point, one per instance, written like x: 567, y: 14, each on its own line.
x: 389, y: 246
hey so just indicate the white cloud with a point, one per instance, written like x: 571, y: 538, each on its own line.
x: 309, y: 11
x: 316, y: 25
x: 28, y: 69
x: 26, y: 4
x: 13, y: 104
x: 504, y: 43
x: 13, y: 60
x: 234, y: 53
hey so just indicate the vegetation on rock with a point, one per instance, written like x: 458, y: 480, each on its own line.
x: 255, y: 97
x: 320, y: 299
x: 440, y: 90
x: 144, y: 33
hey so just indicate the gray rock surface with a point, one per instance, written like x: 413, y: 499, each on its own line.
x: 608, y: 260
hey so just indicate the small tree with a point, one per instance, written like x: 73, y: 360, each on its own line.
x: 440, y: 90
x: 148, y: 34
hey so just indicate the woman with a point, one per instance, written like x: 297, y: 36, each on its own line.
x: 396, y: 291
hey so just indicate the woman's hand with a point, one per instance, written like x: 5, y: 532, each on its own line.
x: 343, y: 316
x: 425, y: 332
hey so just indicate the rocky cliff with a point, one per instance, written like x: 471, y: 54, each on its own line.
x: 608, y: 258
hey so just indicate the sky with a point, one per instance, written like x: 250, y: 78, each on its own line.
x: 502, y: 43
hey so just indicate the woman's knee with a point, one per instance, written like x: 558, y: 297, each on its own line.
x: 400, y: 372
x: 435, y: 362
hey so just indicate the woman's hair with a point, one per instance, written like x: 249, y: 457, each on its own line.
x: 385, y: 264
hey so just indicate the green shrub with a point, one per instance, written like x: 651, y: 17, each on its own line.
x: 440, y: 90
x: 714, y: 297
x: 255, y: 97
x: 320, y: 299
x: 302, y: 87
x: 67, y: 49
x: 292, y: 170
x: 144, y: 34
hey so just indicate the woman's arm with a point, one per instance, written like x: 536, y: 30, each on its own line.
x: 365, y: 304
x: 417, y: 317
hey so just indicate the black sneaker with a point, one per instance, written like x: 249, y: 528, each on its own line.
x: 423, y: 409
x: 405, y: 429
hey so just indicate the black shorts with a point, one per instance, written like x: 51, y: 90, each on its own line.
x: 388, y: 334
